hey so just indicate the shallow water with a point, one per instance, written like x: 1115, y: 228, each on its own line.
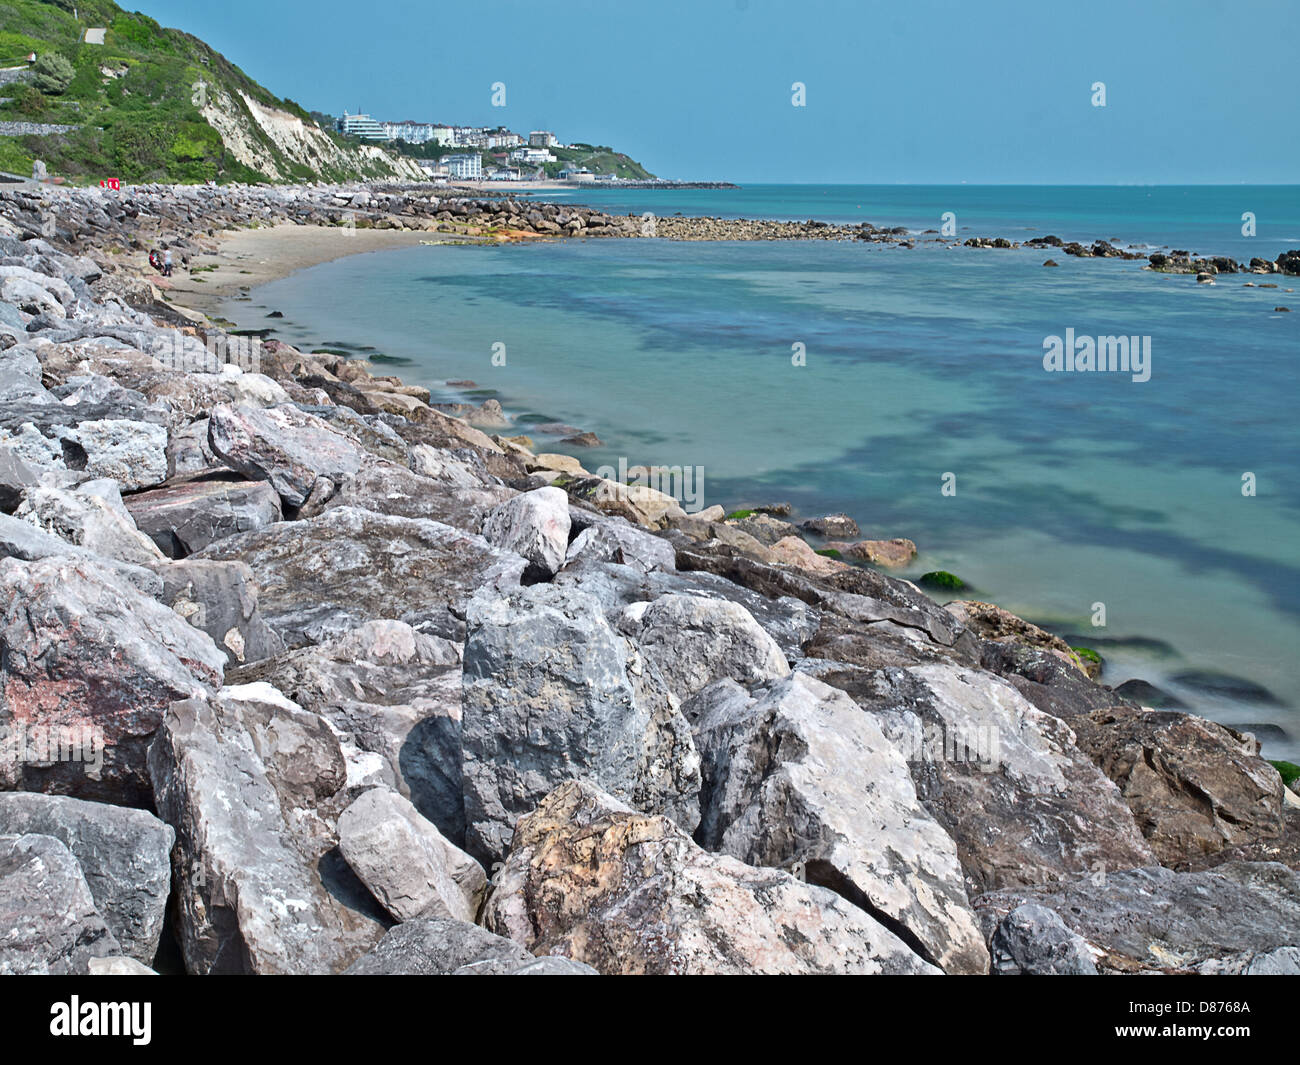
x: 1071, y: 489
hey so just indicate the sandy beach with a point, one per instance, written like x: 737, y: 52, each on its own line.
x: 247, y: 258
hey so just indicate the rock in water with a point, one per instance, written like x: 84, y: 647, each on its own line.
x: 324, y: 577
x: 124, y: 854
x: 553, y: 693
x: 406, y: 862
x: 252, y: 784
x: 625, y: 892
x: 796, y: 774
x: 283, y: 445
x: 88, y: 663
x: 535, y: 525
x: 695, y: 640
x: 47, y: 914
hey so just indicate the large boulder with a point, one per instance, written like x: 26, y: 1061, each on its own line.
x: 552, y: 693
x: 1022, y: 802
x: 794, y: 774
x: 407, y: 864
x: 253, y: 785
x: 386, y: 488
x: 92, y: 516
x: 1032, y: 940
x: 124, y: 855
x: 1158, y: 920
x: 87, y: 660
x: 132, y: 453
x: 283, y: 445
x: 394, y: 694
x: 627, y: 892
x: 535, y: 525
x: 322, y: 577
x: 185, y: 517
x: 695, y: 640
x: 49, y: 925
x: 1194, y: 787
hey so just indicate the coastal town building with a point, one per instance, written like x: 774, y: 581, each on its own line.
x: 465, y: 167
x: 541, y: 138
x: 362, y: 126
x: 531, y: 155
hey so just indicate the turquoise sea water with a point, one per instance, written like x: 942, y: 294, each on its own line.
x: 1072, y: 489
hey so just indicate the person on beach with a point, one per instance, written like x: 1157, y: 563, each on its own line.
x: 155, y: 260
x: 167, y: 263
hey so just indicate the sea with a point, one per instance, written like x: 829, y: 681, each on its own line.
x: 1152, y: 514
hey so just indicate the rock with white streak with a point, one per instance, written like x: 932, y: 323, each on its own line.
x: 92, y: 516
x: 795, y: 775
x: 132, y: 453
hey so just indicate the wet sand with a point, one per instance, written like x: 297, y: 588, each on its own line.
x: 247, y: 258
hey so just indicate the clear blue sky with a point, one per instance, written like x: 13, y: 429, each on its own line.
x: 917, y: 91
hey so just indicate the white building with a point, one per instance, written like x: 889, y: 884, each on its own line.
x: 531, y: 156
x: 467, y: 167
x: 362, y: 126
x: 541, y: 138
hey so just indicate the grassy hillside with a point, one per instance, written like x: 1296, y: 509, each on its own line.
x: 154, y: 104
x: 599, y: 160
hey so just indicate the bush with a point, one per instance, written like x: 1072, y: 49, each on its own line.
x: 54, y: 73
x: 28, y: 101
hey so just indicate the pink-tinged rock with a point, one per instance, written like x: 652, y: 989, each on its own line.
x: 283, y: 445
x: 87, y: 667
x: 896, y: 552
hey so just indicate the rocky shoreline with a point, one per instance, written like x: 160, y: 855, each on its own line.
x: 301, y: 674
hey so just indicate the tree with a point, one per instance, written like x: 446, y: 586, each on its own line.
x: 54, y: 73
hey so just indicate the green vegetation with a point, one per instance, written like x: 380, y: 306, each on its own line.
x: 1289, y: 770
x: 1087, y: 654
x: 829, y: 552
x: 739, y: 515
x: 597, y: 159
x: 137, y: 100
x: 941, y: 579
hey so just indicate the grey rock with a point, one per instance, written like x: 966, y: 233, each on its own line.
x: 220, y: 598
x: 407, y: 864
x: 252, y: 785
x: 92, y: 516
x: 395, y: 695
x: 1157, y: 920
x: 15, y: 476
x: 1022, y: 802
x: 554, y: 966
x: 133, y: 453
x: 439, y: 947
x: 48, y: 921
x: 386, y: 488
x: 185, y: 517
x: 552, y: 693
x: 795, y: 775
x: 534, y: 524
x: 283, y: 445
x: 320, y: 578
x: 124, y: 854
x: 695, y: 640
x: 1032, y: 940
x: 617, y: 540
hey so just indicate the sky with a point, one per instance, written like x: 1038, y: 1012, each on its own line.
x: 910, y: 91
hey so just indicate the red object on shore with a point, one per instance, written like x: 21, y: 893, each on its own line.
x: 111, y: 183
